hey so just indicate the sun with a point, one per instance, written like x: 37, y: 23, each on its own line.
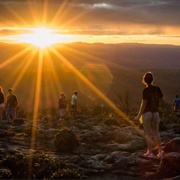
x: 41, y: 37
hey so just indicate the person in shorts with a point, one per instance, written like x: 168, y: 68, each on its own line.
x: 150, y: 117
x: 74, y: 104
x: 62, y: 106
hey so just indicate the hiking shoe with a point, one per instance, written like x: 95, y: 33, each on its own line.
x: 149, y: 155
x: 160, y: 154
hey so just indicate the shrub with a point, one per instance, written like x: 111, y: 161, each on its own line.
x: 67, y: 174
x: 168, y: 115
x: 112, y: 122
x: 33, y: 166
x: 66, y: 141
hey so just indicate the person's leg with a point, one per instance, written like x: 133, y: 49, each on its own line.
x: 1, y: 113
x: 73, y: 110
x: 8, y: 113
x: 63, y: 112
x: 13, y: 112
x: 156, y: 134
x: 60, y: 114
x: 146, y: 118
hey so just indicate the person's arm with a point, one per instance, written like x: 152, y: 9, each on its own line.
x: 6, y: 102
x: 141, y: 109
x: 60, y: 102
x: 16, y: 101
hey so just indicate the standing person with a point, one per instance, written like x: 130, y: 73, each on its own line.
x: 1, y: 102
x: 74, y: 104
x: 62, y: 106
x: 176, y: 103
x: 11, y: 105
x: 150, y: 115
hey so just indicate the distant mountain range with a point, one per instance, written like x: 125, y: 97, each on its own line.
x: 110, y: 67
x: 134, y: 55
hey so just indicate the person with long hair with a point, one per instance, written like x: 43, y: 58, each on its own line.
x: 149, y: 113
x: 1, y: 103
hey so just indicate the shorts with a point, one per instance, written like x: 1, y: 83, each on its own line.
x: 151, y: 122
x: 2, y: 105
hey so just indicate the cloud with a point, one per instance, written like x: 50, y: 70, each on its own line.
x: 95, y: 16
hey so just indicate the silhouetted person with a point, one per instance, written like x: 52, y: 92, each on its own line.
x: 62, y: 106
x: 11, y: 105
x: 1, y: 102
x: 74, y: 104
x: 176, y: 103
x: 150, y: 115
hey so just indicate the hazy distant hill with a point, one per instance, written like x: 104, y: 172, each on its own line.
x: 110, y: 67
x: 135, y: 55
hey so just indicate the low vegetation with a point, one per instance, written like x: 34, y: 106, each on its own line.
x: 36, y: 166
x: 66, y: 141
x: 42, y: 166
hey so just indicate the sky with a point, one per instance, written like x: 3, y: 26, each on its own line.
x: 103, y: 21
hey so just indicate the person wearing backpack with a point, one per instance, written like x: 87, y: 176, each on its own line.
x: 148, y: 111
x: 176, y: 104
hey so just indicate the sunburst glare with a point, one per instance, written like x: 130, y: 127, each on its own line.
x: 40, y: 40
x: 42, y: 37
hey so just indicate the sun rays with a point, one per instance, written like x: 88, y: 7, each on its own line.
x: 44, y: 38
x: 41, y: 37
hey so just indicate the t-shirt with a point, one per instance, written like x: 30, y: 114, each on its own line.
x: 74, y: 99
x: 62, y: 103
x: 12, y: 101
x: 1, y: 98
x: 147, y: 93
x: 176, y: 102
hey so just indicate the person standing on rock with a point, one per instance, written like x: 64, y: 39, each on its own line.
x: 176, y: 104
x: 62, y: 106
x: 148, y: 111
x: 1, y: 103
x: 11, y: 105
x: 74, y: 104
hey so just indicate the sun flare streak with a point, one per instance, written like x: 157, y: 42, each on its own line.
x: 36, y: 107
x: 37, y: 97
x: 97, y: 91
x: 23, y: 71
x: 15, y: 57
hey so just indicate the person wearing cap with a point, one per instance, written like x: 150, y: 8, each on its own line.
x: 11, y: 105
x: 62, y: 106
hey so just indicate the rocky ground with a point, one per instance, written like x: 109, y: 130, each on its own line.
x: 107, y: 150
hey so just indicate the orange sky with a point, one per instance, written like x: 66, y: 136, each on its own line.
x: 108, y: 21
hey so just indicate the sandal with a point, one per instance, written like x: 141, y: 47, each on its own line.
x: 160, y: 154
x: 149, y: 155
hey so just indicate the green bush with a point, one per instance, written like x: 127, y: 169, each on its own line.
x: 66, y: 141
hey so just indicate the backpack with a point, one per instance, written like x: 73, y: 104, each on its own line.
x: 154, y: 99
